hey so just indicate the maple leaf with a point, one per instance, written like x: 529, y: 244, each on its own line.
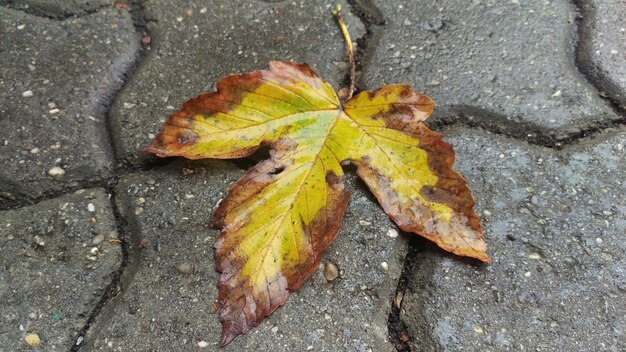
x: 278, y: 219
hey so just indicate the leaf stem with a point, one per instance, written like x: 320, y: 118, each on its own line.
x: 346, y: 36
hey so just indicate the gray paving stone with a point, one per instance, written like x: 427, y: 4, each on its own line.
x: 490, y: 60
x: 56, y: 8
x: 165, y: 309
x: 55, y: 263
x: 56, y: 78
x: 194, y: 43
x: 603, y: 45
x: 555, y: 223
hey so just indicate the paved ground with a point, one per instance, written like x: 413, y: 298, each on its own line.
x: 104, y: 248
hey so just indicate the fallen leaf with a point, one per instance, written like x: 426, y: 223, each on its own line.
x: 278, y: 219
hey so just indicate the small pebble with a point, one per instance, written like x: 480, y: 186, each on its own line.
x: 486, y: 213
x: 56, y: 172
x: 39, y: 241
x: 534, y: 256
x: 330, y: 272
x: 364, y: 223
x: 91, y: 207
x: 138, y: 210
x: 275, y: 329
x: 327, y: 316
x: 34, y: 151
x: 27, y: 94
x: 392, y: 233
x: 97, y: 240
x: 32, y: 340
x: 140, y: 201
x: 203, y: 344
x: 527, y: 274
x: 185, y: 268
x: 54, y: 111
x: 384, y: 265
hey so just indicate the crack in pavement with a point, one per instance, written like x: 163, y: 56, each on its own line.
x: 114, y: 288
x: 106, y: 182
x: 583, y: 61
x: 60, y: 17
x: 477, y: 118
x: 467, y: 116
x: 140, y: 22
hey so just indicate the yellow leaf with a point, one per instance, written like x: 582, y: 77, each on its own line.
x: 278, y: 219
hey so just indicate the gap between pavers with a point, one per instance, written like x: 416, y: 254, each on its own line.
x: 57, y: 80
x: 555, y: 225
x: 56, y: 260
x: 167, y: 303
x: 508, y: 61
x: 194, y: 44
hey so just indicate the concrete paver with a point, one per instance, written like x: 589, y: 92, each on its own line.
x: 603, y: 46
x: 56, y: 79
x: 195, y: 43
x: 56, y: 8
x: 555, y: 222
x: 55, y: 263
x: 168, y: 303
x: 489, y: 58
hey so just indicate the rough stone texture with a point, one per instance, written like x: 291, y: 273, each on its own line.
x: 603, y: 46
x: 195, y: 43
x: 555, y: 223
x: 57, y: 8
x: 51, y: 275
x: 498, y: 61
x: 165, y: 308
x: 56, y: 79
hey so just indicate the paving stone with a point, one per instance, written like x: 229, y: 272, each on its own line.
x: 56, y: 79
x: 603, y: 46
x: 56, y: 8
x: 195, y: 43
x: 555, y: 225
x: 167, y: 305
x: 55, y: 263
x: 495, y: 61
